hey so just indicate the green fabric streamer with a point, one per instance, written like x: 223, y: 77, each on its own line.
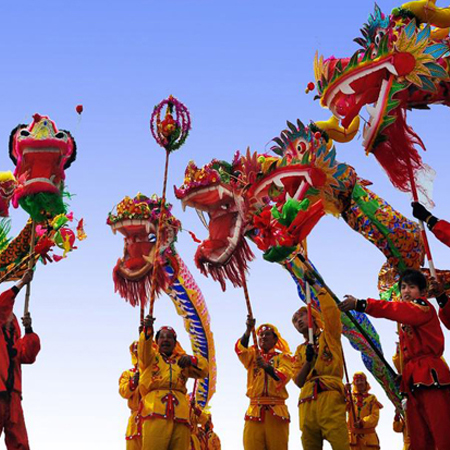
x: 289, y: 211
x: 278, y: 253
x: 42, y: 205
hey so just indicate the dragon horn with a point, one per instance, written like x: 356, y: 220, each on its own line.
x: 337, y: 132
x: 427, y: 11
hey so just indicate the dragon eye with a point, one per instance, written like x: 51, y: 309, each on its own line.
x: 301, y: 147
x: 378, y: 37
x: 225, y: 206
x: 24, y: 133
x: 60, y: 135
x: 152, y: 238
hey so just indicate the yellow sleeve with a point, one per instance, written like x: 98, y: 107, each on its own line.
x: 200, y: 368
x: 371, y: 421
x: 284, y: 370
x: 246, y: 355
x: 146, y: 351
x: 331, y: 315
x: 396, y: 361
x: 124, y: 385
x: 298, y: 361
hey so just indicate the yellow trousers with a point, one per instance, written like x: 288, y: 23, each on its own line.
x: 271, y: 434
x: 324, y: 419
x: 162, y: 434
x: 134, y: 444
x: 364, y: 442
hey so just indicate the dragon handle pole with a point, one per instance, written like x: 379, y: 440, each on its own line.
x: 30, y: 266
x: 308, y: 308
x: 249, y: 308
x: 159, y: 236
x: 421, y: 225
x: 347, y: 379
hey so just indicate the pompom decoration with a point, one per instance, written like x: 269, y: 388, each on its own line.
x: 172, y: 131
x: 79, y: 109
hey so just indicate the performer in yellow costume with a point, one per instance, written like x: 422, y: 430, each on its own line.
x: 203, y: 436
x: 367, y: 412
x: 318, y: 372
x: 269, y: 369
x: 165, y: 368
x: 399, y: 426
x: 128, y: 389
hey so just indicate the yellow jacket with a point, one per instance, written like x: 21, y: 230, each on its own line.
x: 129, y: 391
x: 328, y: 369
x: 367, y: 410
x: 262, y: 389
x: 162, y: 384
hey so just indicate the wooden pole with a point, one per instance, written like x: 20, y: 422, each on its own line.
x: 421, y: 225
x: 348, y: 383
x: 249, y: 308
x: 30, y: 266
x: 159, y: 236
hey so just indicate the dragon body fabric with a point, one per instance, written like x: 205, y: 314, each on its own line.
x: 137, y: 220
x: 41, y: 153
x: 276, y: 201
x: 403, y: 63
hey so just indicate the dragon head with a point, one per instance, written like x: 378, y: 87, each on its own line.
x: 401, y: 65
x: 8, y: 185
x: 137, y: 220
x: 274, y: 200
x: 41, y: 154
x: 216, y: 190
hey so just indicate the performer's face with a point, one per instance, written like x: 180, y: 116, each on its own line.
x: 300, y: 321
x: 360, y: 384
x: 267, y: 340
x: 410, y: 292
x: 166, y: 342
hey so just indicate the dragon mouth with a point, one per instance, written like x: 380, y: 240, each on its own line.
x: 139, y: 236
x: 40, y: 169
x: 362, y: 86
x: 225, y: 226
x: 294, y: 181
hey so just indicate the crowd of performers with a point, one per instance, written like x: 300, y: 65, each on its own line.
x: 164, y: 417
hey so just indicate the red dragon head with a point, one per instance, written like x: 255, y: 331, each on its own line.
x: 41, y: 153
x: 403, y: 64
x: 275, y: 201
x: 137, y: 220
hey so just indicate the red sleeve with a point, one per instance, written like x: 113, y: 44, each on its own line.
x: 444, y: 315
x: 6, y: 304
x: 442, y: 231
x: 28, y: 348
x: 407, y: 313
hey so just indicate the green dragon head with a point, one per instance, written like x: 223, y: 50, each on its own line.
x: 402, y: 64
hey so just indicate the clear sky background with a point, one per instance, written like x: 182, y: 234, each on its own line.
x: 241, y: 68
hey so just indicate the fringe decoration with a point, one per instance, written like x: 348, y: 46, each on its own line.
x: 398, y: 151
x: 137, y: 292
x: 231, y: 269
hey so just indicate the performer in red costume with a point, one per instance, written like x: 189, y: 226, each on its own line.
x: 425, y: 375
x: 440, y: 228
x: 14, y: 351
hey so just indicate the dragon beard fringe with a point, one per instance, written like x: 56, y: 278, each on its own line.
x: 137, y: 292
x: 233, y: 269
x: 398, y: 152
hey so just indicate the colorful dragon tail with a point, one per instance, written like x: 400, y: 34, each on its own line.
x: 190, y: 304
x: 370, y: 359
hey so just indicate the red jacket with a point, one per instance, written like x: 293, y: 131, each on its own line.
x: 421, y: 340
x: 442, y: 231
x: 14, y: 349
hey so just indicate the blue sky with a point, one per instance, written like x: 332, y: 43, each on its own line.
x: 241, y: 68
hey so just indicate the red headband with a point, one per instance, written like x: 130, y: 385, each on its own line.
x: 168, y: 329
